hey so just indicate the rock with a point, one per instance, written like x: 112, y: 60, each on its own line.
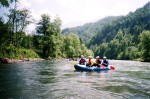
x: 25, y: 59
x: 7, y: 60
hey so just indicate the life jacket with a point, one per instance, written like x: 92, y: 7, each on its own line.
x: 90, y: 62
x: 98, y: 61
x: 82, y: 61
x: 105, y: 63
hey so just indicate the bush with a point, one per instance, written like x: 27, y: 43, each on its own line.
x: 16, y: 53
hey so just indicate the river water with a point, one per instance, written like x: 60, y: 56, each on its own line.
x: 58, y: 79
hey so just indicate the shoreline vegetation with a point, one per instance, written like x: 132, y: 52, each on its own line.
x: 9, y: 61
x: 48, y: 42
x: 124, y: 37
x: 118, y: 37
x: 11, y: 54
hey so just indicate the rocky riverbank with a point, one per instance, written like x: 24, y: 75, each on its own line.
x: 8, y: 61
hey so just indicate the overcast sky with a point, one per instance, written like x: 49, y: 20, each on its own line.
x: 78, y: 12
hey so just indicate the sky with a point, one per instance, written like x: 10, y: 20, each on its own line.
x: 78, y: 12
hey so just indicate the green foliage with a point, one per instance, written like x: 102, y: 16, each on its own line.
x: 53, y: 44
x: 133, y: 24
x: 73, y: 46
x: 6, y: 3
x: 145, y: 45
x: 19, y: 19
x: 87, y: 31
x: 26, y: 42
x: 4, y: 34
x: 15, y: 53
x: 49, y: 36
x: 119, y: 37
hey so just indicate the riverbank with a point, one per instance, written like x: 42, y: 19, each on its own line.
x: 11, y: 54
x: 9, y: 61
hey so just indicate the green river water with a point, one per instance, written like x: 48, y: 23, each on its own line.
x: 58, y: 79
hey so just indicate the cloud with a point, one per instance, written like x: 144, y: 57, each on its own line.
x: 80, y: 11
x: 39, y: 1
x: 24, y: 4
x: 31, y: 28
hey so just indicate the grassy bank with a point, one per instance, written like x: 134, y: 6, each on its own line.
x: 12, y: 52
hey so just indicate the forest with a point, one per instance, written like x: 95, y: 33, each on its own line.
x: 117, y: 37
x: 48, y: 41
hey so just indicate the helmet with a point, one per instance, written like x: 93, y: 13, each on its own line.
x: 104, y: 57
x: 97, y: 57
x: 90, y: 57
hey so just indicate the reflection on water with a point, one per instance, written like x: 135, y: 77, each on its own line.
x: 58, y: 79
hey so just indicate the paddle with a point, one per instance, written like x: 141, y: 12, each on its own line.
x: 112, y: 67
x: 73, y: 63
x: 102, y: 66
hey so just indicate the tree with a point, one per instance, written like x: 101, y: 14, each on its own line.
x: 4, y: 34
x: 145, y: 45
x: 6, y: 3
x: 18, y: 20
x: 49, y: 33
x: 55, y: 36
x: 43, y: 25
x: 73, y: 46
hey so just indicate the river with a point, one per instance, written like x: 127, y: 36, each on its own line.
x: 58, y: 79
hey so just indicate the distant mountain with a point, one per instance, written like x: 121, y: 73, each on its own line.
x: 87, y: 31
x: 134, y: 23
x: 105, y: 29
x: 117, y: 37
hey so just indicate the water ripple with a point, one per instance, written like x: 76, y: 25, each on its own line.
x: 57, y: 79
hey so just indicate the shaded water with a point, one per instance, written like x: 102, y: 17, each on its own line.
x: 58, y: 80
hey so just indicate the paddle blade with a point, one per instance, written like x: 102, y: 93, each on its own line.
x: 102, y: 66
x: 73, y: 63
x: 112, y: 67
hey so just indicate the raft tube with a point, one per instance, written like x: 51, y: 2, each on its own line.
x: 94, y: 68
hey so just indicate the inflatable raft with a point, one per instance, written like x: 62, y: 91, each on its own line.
x: 94, y: 68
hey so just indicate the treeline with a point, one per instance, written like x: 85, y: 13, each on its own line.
x: 48, y: 42
x: 124, y: 37
x: 87, y: 31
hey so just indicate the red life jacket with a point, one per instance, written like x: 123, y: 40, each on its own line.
x: 82, y: 61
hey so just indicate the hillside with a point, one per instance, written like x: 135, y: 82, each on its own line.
x: 125, y: 38
x: 87, y: 31
x: 133, y: 23
x: 118, y: 37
